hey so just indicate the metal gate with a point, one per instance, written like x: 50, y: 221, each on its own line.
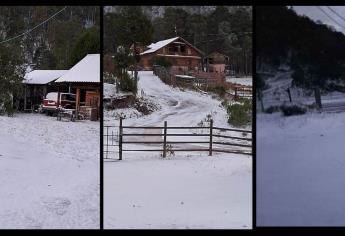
x: 111, y: 142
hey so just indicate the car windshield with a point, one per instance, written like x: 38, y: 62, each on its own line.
x: 52, y: 96
x: 68, y: 97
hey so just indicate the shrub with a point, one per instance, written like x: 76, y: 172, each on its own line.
x: 272, y: 109
x: 128, y: 84
x: 109, y: 78
x: 240, y: 114
x: 292, y: 110
x: 218, y: 89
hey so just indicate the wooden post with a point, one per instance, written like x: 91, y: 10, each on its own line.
x: 289, y: 93
x: 25, y: 98
x: 165, y: 140
x: 120, y: 139
x: 77, y: 103
x: 317, y: 98
x: 58, y: 97
x: 211, y: 130
x: 107, y: 142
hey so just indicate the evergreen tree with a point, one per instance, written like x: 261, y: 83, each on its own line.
x: 11, y: 76
x: 88, y: 43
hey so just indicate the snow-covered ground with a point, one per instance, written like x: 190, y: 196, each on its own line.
x: 196, y: 191
x: 49, y: 173
x: 188, y: 190
x: 300, y: 170
x: 248, y: 81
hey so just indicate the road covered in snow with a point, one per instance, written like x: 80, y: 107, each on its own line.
x: 186, y: 108
x: 49, y: 173
x: 185, y: 190
x: 301, y: 170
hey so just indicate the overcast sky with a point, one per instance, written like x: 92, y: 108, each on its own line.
x: 316, y: 14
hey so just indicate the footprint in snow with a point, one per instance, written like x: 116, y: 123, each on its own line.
x: 57, y: 205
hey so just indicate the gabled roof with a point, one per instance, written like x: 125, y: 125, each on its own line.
x: 86, y: 70
x: 160, y: 44
x: 43, y: 76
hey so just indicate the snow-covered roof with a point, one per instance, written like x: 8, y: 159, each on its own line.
x: 43, y: 76
x: 86, y: 70
x: 158, y: 45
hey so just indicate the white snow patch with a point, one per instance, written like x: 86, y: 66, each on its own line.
x: 86, y: 70
x: 156, y: 46
x: 49, y: 173
x: 300, y: 170
x: 43, y: 76
x: 184, y: 191
x: 247, y: 81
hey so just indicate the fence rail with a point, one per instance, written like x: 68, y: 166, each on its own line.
x: 202, y: 80
x: 214, y: 140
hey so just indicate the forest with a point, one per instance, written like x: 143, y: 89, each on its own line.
x: 313, y: 50
x: 224, y: 29
x: 29, y: 41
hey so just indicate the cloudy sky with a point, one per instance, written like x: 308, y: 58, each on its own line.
x: 316, y: 14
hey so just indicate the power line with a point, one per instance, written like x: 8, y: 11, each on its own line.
x: 340, y: 16
x: 330, y: 17
x: 28, y: 31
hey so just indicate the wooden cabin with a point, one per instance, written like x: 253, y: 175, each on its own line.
x: 216, y: 62
x: 37, y: 84
x: 181, y: 54
x: 84, y: 79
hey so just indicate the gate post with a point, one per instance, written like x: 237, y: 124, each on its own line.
x: 211, y: 128
x: 165, y: 140
x: 120, y: 139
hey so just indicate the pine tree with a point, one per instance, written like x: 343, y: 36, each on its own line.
x: 11, y: 76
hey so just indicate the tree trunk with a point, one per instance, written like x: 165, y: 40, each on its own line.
x: 317, y: 98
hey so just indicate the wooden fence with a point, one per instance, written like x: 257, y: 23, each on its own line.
x: 196, y: 78
x: 214, y: 139
x: 202, y: 80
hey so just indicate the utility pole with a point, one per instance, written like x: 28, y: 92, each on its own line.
x: 207, y: 53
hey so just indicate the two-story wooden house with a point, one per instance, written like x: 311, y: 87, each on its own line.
x: 181, y: 54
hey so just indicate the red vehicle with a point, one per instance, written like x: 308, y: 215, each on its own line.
x: 50, y: 103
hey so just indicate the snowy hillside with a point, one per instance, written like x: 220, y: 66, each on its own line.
x: 276, y: 94
x: 300, y: 170
x: 49, y: 173
x: 185, y: 190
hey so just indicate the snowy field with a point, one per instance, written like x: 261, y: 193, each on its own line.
x: 301, y: 170
x: 188, y: 190
x: 49, y: 173
x: 184, y: 191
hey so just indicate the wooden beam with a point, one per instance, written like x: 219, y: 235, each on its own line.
x: 77, y: 102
